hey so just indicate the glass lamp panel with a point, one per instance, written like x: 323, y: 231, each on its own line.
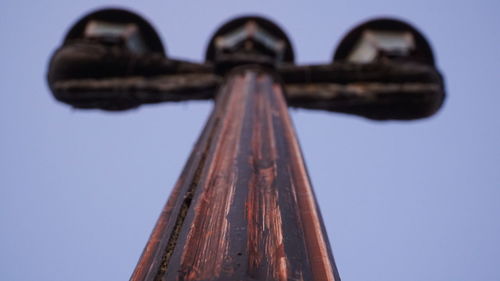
x: 127, y: 32
x: 374, y: 42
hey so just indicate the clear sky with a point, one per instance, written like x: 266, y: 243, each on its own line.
x: 80, y: 191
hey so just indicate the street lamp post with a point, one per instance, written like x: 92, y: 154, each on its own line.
x: 243, y: 207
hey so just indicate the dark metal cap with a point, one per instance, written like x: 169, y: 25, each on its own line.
x: 384, y: 38
x: 108, y: 21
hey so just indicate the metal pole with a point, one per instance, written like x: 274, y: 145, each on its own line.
x: 243, y: 207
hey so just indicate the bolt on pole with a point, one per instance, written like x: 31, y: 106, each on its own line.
x: 243, y: 207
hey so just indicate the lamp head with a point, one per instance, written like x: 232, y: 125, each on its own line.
x: 249, y: 40
x: 384, y: 39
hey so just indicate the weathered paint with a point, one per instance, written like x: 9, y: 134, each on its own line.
x: 243, y: 208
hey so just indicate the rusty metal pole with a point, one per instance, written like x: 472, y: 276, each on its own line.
x: 243, y: 208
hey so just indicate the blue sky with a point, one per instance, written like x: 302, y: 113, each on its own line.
x: 81, y: 190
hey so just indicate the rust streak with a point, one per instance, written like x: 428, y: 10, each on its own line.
x: 208, y: 235
x: 267, y: 258
x: 154, y: 259
x: 316, y: 242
